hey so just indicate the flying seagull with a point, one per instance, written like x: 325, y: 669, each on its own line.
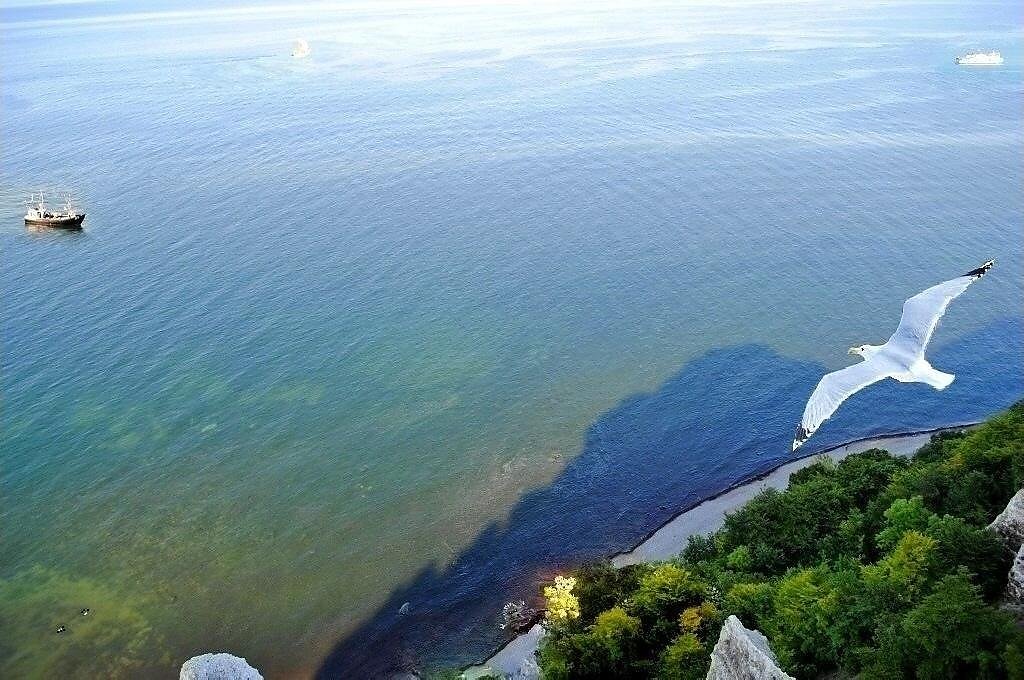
x: 901, y: 357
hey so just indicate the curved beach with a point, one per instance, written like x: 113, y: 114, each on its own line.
x: 708, y: 516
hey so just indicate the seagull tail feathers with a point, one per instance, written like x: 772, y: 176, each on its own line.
x: 929, y: 375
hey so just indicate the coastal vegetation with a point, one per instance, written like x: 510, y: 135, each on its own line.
x: 878, y: 566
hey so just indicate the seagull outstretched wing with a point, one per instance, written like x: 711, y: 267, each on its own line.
x: 922, y: 312
x: 833, y: 390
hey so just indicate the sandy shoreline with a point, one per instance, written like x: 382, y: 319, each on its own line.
x: 706, y: 517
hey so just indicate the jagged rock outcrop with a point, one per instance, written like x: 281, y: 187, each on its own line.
x: 743, y: 654
x: 218, y: 667
x: 528, y: 670
x: 1015, y: 587
x: 1010, y: 522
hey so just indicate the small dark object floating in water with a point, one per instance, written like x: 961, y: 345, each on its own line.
x: 61, y: 629
x: 38, y: 215
x: 85, y: 612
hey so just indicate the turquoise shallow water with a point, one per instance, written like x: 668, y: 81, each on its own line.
x: 331, y: 319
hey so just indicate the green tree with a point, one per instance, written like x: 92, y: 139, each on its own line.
x: 905, y: 514
x: 752, y: 603
x: 699, y: 548
x: 950, y: 634
x: 740, y: 559
x: 685, y: 659
x: 980, y: 551
x: 601, y: 586
x: 804, y: 608
x: 703, y: 620
x: 903, y: 575
x: 973, y: 478
x: 662, y: 596
x: 617, y: 632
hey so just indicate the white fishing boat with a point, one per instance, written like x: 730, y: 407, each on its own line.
x: 300, y: 49
x: 977, y: 58
x: 38, y: 215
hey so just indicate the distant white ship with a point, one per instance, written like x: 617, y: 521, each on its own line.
x: 992, y: 58
x: 300, y: 49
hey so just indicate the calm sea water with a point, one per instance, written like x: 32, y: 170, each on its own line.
x: 469, y: 295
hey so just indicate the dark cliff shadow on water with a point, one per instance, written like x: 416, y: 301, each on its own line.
x: 725, y: 417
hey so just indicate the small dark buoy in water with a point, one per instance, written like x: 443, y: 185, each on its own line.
x: 61, y: 629
x: 85, y: 612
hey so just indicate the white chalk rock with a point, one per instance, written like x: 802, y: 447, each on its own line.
x: 528, y: 670
x: 743, y: 654
x: 1015, y: 587
x: 218, y: 667
x: 1010, y: 522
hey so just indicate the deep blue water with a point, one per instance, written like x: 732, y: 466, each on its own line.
x: 729, y: 409
x: 469, y: 295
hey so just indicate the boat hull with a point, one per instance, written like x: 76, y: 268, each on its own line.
x: 74, y: 222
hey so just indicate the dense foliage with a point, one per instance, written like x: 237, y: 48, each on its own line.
x: 877, y: 566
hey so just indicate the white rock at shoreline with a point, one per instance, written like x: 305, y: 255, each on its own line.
x: 743, y: 654
x: 219, y: 666
x: 528, y: 670
x: 1010, y: 522
x: 1015, y: 587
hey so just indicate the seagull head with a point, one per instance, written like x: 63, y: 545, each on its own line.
x: 865, y: 351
